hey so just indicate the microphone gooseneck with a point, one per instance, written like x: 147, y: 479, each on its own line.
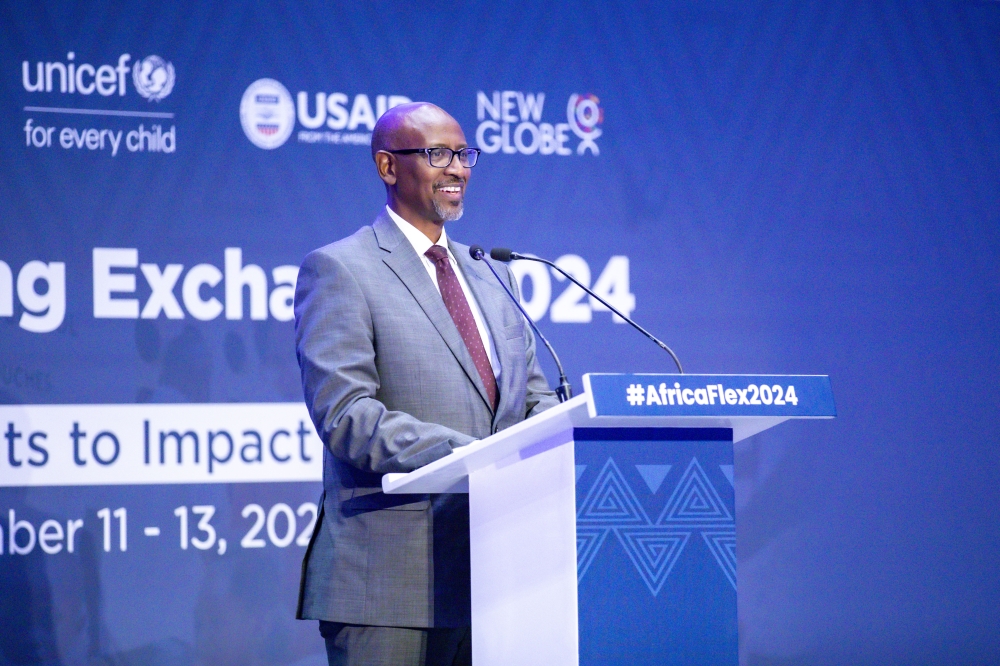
x: 506, y: 254
x: 564, y: 391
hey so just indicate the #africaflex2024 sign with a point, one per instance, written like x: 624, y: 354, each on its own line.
x: 710, y: 395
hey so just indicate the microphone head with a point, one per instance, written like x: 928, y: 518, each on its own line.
x: 476, y: 252
x: 504, y: 254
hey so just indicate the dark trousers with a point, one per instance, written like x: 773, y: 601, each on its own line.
x: 359, y: 645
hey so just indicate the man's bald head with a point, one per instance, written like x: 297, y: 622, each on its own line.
x: 400, y: 124
x: 424, y: 195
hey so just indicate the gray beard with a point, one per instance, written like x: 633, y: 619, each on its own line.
x: 447, y: 213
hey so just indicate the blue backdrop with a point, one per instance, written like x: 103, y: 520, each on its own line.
x: 782, y: 187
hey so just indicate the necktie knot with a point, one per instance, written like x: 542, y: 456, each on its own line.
x: 437, y: 254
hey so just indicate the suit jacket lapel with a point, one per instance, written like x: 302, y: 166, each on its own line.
x: 404, y: 262
x: 492, y: 301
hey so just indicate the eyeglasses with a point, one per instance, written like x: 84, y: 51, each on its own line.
x: 441, y: 157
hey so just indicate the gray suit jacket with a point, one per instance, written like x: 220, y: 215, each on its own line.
x: 391, y: 387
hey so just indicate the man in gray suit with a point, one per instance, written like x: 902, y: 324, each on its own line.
x: 408, y: 349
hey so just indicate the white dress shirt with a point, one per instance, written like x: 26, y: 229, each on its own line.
x: 421, y: 244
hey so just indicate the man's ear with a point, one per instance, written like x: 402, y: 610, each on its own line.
x: 386, y: 166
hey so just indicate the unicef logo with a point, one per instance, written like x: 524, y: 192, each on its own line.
x: 584, y: 115
x: 267, y: 114
x: 153, y: 77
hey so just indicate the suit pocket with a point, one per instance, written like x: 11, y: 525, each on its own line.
x: 513, y: 331
x: 366, y: 500
x: 408, y: 504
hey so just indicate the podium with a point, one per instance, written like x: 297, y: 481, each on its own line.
x: 603, y: 530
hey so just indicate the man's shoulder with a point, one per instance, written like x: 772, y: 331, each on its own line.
x: 359, y: 244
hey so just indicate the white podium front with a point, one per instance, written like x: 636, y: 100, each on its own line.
x: 524, y: 512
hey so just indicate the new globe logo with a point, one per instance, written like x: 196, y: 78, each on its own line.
x: 584, y: 115
x: 267, y: 114
x: 511, y: 121
x: 153, y: 77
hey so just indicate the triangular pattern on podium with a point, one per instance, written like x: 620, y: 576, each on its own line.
x: 653, y: 551
x: 695, y: 500
x: 611, y: 500
x: 653, y: 475
x: 727, y: 470
x: 722, y: 543
x: 694, y: 506
x: 588, y: 541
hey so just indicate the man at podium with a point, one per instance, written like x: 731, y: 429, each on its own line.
x: 408, y: 349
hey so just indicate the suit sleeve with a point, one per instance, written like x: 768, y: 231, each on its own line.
x: 539, y: 396
x: 334, y: 343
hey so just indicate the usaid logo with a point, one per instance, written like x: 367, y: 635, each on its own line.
x: 511, y: 121
x: 267, y: 114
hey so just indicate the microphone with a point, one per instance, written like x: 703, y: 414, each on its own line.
x: 564, y: 391
x: 506, y: 255
x: 503, y: 254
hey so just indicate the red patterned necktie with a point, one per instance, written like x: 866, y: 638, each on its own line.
x: 461, y: 313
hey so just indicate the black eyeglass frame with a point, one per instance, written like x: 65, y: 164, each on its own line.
x: 427, y: 152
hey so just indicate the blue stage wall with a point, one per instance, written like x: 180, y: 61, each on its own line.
x: 772, y: 187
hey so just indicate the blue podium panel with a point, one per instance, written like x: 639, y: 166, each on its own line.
x: 656, y: 546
